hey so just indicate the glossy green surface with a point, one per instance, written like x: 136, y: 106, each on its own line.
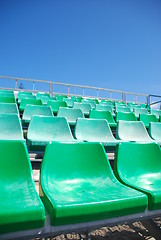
x: 103, y: 107
x: 24, y: 93
x: 137, y: 111
x: 8, y: 108
x: 39, y: 95
x: 42, y: 130
x: 10, y: 127
x: 92, y: 102
x: 156, y: 112
x: 32, y: 110
x: 55, y: 105
x: 44, y: 99
x: 70, y: 114
x: 120, y: 108
x: 78, y: 99
x: 6, y: 91
x: 85, y: 107
x: 132, y: 131
x: 5, y: 99
x: 20, y: 206
x: 125, y: 116
x: 103, y: 115
x: 69, y: 102
x: 155, y: 131
x: 26, y: 101
x: 31, y: 96
x: 95, y: 130
x: 139, y: 165
x: 78, y: 185
x: 147, y: 118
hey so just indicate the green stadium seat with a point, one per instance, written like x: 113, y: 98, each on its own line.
x: 78, y: 185
x: 20, y: 206
x: 24, y: 96
x: 31, y: 110
x: 43, y: 129
x: 24, y: 93
x: 125, y: 116
x: 5, y: 91
x: 90, y: 101
x: 132, y: 131
x: 143, y: 105
x: 138, y: 165
x: 95, y: 130
x: 101, y: 107
x: 147, y: 118
x: 120, y: 108
x: 155, y: 131
x: 8, y: 108
x: 85, y: 107
x: 42, y: 94
x: 44, y: 99
x: 7, y: 99
x: 77, y: 99
x: 30, y: 101
x: 138, y: 110
x: 55, y: 105
x: 60, y: 97
x: 70, y: 114
x: 69, y: 102
x: 156, y: 112
x: 10, y: 127
x: 103, y: 115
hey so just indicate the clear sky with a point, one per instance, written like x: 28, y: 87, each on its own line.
x: 108, y: 43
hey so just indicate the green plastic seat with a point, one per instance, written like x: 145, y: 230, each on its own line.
x: 5, y: 91
x: 78, y: 185
x: 85, y: 107
x: 10, y: 127
x: 20, y: 206
x: 70, y: 114
x: 138, y: 165
x: 69, y: 102
x: 120, y: 108
x: 44, y: 99
x: 103, y: 115
x: 30, y: 101
x: 90, y: 101
x: 7, y: 99
x: 138, y: 110
x: 132, y: 131
x: 8, y: 108
x: 43, y: 129
x: 102, y: 107
x: 55, y: 105
x: 60, y: 97
x: 77, y: 98
x: 42, y: 94
x: 95, y: 130
x: 31, y: 110
x: 156, y: 112
x: 155, y: 131
x: 125, y: 116
x: 143, y: 105
x: 147, y: 118
x: 25, y: 95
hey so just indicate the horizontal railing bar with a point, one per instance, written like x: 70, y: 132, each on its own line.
x: 153, y: 103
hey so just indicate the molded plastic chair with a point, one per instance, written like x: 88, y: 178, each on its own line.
x: 25, y: 101
x: 156, y: 112
x: 155, y: 131
x: 21, y: 96
x: 69, y: 102
x: 76, y: 98
x: 10, y: 127
x: 90, y: 101
x: 42, y: 94
x: 103, y: 115
x: 139, y: 110
x: 5, y: 91
x: 132, y: 131
x: 138, y: 165
x: 55, y: 105
x: 78, y: 185
x: 7, y: 99
x: 108, y: 108
x: 95, y: 130
x: 42, y: 130
x: 21, y: 208
x: 8, y: 108
x: 125, y: 116
x: 85, y: 107
x: 120, y: 108
x: 31, y: 110
x: 147, y: 118
x: 70, y: 114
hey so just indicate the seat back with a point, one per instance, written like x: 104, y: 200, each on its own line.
x: 102, y: 115
x: 85, y: 107
x: 8, y: 108
x: 125, y: 116
x: 55, y: 105
x: 31, y: 96
x: 155, y: 131
x: 103, y: 107
x: 122, y: 108
x: 70, y: 114
x: 49, y: 129
x: 139, y: 110
x: 25, y: 101
x: 10, y: 127
x: 147, y: 118
x: 132, y: 131
x: 7, y: 99
x: 31, y: 110
x: 94, y: 130
x: 156, y: 112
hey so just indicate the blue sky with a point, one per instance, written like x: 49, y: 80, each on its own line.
x: 108, y: 43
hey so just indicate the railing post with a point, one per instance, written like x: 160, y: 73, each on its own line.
x: 97, y: 92
x: 110, y: 95
x: 83, y: 91
x: 16, y: 84
x: 148, y: 99
x: 68, y: 89
x: 33, y: 86
x: 52, y: 89
x: 136, y: 99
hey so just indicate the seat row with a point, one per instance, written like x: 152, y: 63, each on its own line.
x: 43, y: 129
x: 77, y: 186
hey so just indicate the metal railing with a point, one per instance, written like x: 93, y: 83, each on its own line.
x: 54, y: 88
